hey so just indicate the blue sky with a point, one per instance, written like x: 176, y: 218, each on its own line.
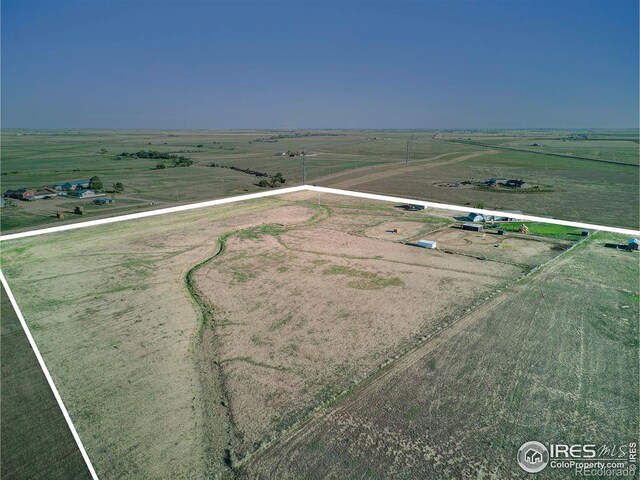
x: 276, y: 64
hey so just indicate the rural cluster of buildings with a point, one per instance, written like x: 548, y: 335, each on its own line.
x: 73, y: 188
x: 479, y: 218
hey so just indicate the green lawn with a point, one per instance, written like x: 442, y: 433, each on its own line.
x: 546, y: 230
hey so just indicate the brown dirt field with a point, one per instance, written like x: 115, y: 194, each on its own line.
x: 274, y: 297
x: 553, y: 359
x: 406, y: 230
x: 302, y: 308
x: 108, y: 308
x: 529, y: 251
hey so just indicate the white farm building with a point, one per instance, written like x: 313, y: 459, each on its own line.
x: 427, y: 243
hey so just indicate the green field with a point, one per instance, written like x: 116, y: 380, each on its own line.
x: 35, y: 438
x: 578, y: 188
x: 615, y: 146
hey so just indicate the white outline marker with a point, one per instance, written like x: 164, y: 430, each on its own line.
x: 313, y: 188
x: 48, y: 376
x: 459, y: 208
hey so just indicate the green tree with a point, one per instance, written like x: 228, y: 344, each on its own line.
x: 264, y: 183
x: 118, y: 187
x: 95, y: 183
x: 160, y: 166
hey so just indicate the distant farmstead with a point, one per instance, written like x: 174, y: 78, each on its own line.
x: 20, y: 194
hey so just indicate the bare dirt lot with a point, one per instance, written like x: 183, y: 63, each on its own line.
x: 183, y: 344
x: 521, y: 250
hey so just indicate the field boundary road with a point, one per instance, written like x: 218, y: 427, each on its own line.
x: 392, y: 170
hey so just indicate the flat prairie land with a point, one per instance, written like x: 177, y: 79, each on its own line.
x: 576, y: 189
x: 120, y: 334
x: 588, y: 176
x: 553, y: 359
x: 606, y: 145
x: 184, y: 345
x: 305, y: 311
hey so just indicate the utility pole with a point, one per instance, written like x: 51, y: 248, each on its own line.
x: 406, y: 153
x: 409, y: 149
x: 304, y: 170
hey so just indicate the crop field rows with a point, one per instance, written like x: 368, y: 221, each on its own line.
x: 237, y: 333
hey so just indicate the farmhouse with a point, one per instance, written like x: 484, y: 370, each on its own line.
x: 72, y: 185
x: 83, y: 193
x: 20, y: 194
x: 514, y: 183
x: 475, y: 227
x: 491, y: 182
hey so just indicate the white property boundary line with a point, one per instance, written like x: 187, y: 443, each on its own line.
x: 313, y: 188
x: 467, y: 209
x: 48, y: 376
x: 241, y: 198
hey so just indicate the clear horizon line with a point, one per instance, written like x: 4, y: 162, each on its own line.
x: 277, y: 129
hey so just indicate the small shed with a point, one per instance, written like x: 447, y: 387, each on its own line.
x: 474, y: 227
x: 633, y: 244
x: 585, y: 233
x: 103, y: 201
x: 427, y: 243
